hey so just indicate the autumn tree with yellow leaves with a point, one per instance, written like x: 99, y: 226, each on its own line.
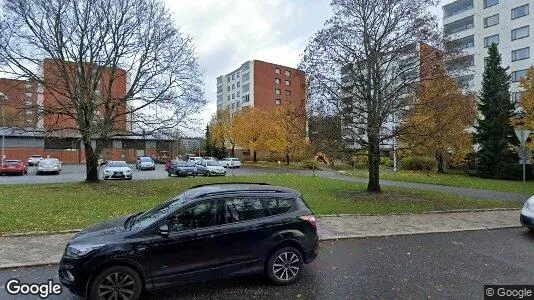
x: 288, y: 134
x: 223, y: 129
x: 439, y: 120
x: 251, y: 127
x: 527, y: 101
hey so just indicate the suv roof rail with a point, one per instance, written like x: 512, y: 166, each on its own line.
x: 208, y: 184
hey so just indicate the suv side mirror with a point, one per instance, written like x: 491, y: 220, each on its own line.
x: 163, y: 230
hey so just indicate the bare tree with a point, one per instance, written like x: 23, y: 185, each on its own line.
x: 362, y: 63
x: 102, y: 64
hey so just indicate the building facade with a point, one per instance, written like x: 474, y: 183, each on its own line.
x: 21, y: 103
x: 473, y: 25
x: 262, y: 85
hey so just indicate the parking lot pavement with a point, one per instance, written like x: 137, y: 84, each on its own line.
x: 423, y: 266
x: 75, y: 173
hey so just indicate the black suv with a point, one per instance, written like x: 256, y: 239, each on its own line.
x: 208, y: 232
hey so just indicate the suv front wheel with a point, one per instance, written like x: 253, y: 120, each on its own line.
x: 284, y: 266
x: 116, y: 283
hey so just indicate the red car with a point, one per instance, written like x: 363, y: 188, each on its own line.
x: 14, y: 167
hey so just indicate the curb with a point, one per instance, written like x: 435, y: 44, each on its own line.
x: 322, y: 239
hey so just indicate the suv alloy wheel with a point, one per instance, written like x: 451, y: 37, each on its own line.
x: 284, y: 266
x: 116, y: 283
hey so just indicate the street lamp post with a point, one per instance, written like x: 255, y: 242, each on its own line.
x: 3, y: 98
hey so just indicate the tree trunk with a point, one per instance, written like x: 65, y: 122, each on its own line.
x: 233, y: 150
x: 254, y: 156
x: 374, y: 163
x: 439, y: 158
x: 287, y: 158
x: 91, y: 163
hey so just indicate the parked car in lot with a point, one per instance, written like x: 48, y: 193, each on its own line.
x: 182, y: 168
x: 210, y: 168
x: 231, y: 162
x: 117, y: 169
x: 145, y: 163
x: 13, y: 167
x: 209, y: 231
x: 48, y: 165
x: 34, y: 160
x: 527, y: 214
x: 195, y: 159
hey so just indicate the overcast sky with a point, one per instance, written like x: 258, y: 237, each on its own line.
x: 230, y: 32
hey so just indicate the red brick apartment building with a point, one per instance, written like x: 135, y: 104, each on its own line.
x: 263, y: 85
x: 31, y: 107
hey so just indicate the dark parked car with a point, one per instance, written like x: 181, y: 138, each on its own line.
x: 182, y: 168
x: 209, y: 231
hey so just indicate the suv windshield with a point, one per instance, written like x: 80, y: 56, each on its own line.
x: 149, y: 217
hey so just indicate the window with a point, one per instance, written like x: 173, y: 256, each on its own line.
x: 244, y: 87
x: 516, y: 97
x: 521, y: 54
x: 288, y: 82
x: 233, y: 76
x: 238, y: 83
x: 491, y: 21
x: 228, y: 97
x: 228, y: 88
x: 233, y: 96
x: 520, y: 33
x: 490, y: 3
x: 237, y: 104
x: 494, y: 39
x: 228, y: 78
x: 233, y: 106
x: 518, y: 75
x: 237, y: 94
x: 288, y: 93
x: 277, y: 71
x: 243, y: 209
x: 288, y: 73
x: 245, y: 77
x: 278, y: 101
x: 246, y: 98
x: 277, y: 91
x: 219, y: 88
x: 520, y: 11
x: 279, y: 206
x: 233, y: 86
x: 203, y: 214
x: 277, y: 80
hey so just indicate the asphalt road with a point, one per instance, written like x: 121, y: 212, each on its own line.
x: 443, y: 266
x: 75, y: 173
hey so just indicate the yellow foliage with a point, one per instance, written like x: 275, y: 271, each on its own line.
x: 527, y: 101
x: 438, y: 121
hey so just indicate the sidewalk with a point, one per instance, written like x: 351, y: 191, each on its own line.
x: 23, y: 251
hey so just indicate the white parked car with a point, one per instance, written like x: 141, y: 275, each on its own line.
x: 34, y: 160
x: 117, y: 169
x: 48, y: 165
x: 231, y: 162
x: 527, y: 214
x: 210, y: 168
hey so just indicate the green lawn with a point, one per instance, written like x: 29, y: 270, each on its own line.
x: 450, y: 179
x: 63, y: 206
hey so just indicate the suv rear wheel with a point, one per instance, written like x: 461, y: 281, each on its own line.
x: 284, y: 266
x: 116, y: 283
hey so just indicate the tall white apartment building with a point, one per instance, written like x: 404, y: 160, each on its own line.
x: 473, y: 25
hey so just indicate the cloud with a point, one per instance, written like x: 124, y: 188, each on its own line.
x: 228, y: 33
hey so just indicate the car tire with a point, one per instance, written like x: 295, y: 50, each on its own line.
x: 37, y: 173
x: 129, y: 178
x: 126, y: 278
x: 284, y: 266
x: 169, y: 173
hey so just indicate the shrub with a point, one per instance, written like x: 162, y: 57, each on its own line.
x: 309, y: 164
x: 418, y: 163
x: 386, y: 161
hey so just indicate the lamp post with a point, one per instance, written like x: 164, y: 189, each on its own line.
x: 3, y: 98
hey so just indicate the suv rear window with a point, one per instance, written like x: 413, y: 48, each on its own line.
x: 279, y: 205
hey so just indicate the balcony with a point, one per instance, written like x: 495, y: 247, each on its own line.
x: 459, y: 26
x: 456, y: 8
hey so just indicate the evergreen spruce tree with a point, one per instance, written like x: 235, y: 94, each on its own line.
x: 494, y: 132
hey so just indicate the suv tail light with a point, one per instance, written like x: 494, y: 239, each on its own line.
x: 310, y: 219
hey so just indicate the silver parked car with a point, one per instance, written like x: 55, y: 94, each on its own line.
x: 34, y: 160
x: 48, y: 165
x: 117, y: 169
x: 231, y: 162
